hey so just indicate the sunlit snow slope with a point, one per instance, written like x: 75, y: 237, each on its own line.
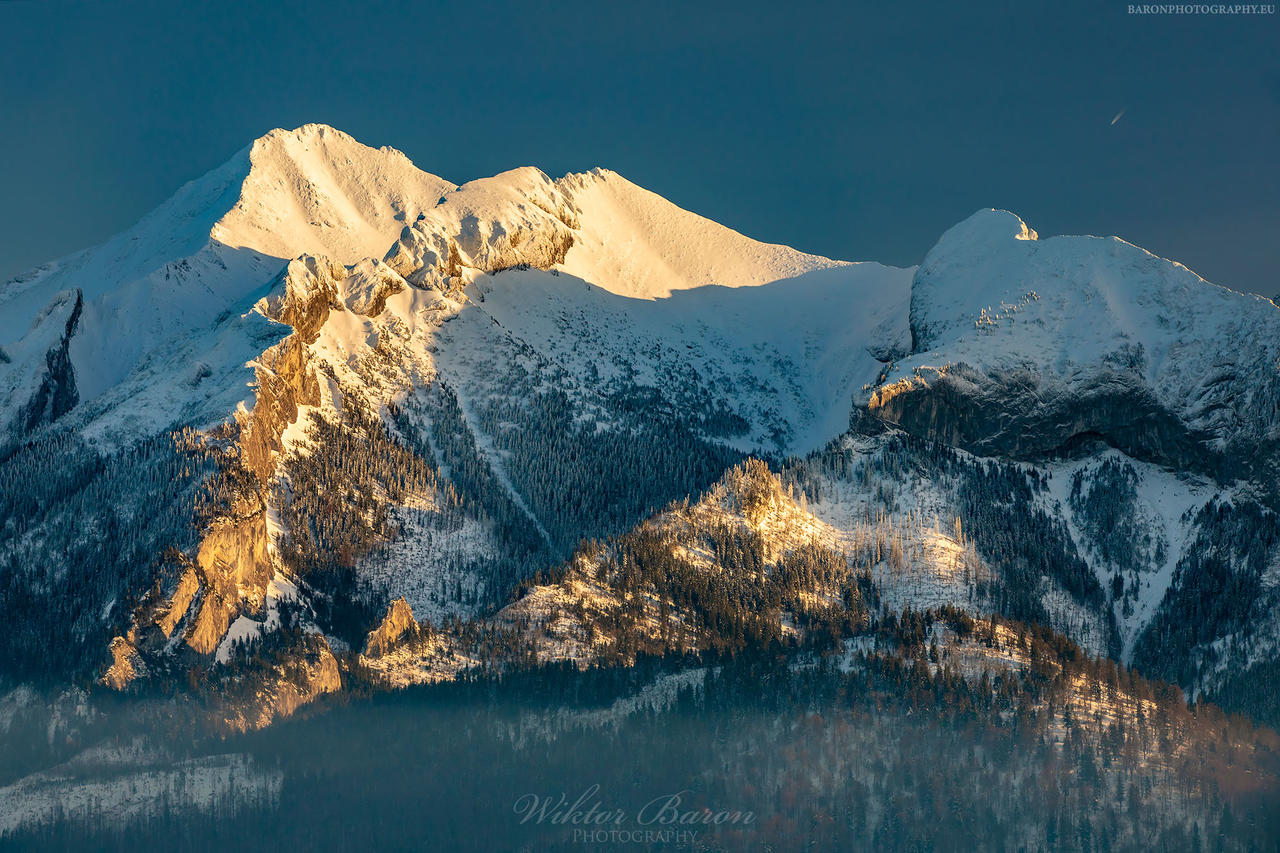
x: 166, y: 297
x: 167, y: 322
x: 1021, y: 344
x: 442, y: 389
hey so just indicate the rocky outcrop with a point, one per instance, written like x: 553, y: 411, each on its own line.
x: 37, y: 378
x: 396, y: 625
x: 1020, y: 416
x: 308, y: 673
x: 516, y: 218
x: 1024, y: 346
x: 369, y: 285
x: 305, y: 295
x: 126, y: 664
x: 233, y: 564
x: 235, y: 567
x: 57, y: 393
x: 401, y: 652
x: 180, y: 602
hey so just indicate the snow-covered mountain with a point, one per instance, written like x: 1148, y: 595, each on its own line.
x: 184, y: 280
x: 1021, y: 345
x: 165, y: 304
x: 319, y: 381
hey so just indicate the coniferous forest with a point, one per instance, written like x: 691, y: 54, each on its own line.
x: 348, y: 504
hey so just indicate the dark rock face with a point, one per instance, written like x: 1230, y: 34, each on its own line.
x: 56, y: 394
x: 1217, y: 604
x: 1018, y: 415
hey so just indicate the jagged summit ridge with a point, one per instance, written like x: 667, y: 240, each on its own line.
x: 595, y: 225
x: 182, y: 279
x: 520, y: 338
x: 519, y: 217
x: 313, y: 190
x: 186, y: 277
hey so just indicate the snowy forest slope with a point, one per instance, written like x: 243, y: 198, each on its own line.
x: 319, y: 381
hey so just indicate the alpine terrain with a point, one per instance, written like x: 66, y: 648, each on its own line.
x: 331, y: 469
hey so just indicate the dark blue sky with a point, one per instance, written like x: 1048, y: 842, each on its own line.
x: 855, y: 132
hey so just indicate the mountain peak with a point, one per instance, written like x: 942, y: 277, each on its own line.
x: 316, y: 190
x: 988, y: 223
x: 648, y: 247
x: 182, y: 275
x: 1085, y: 335
x: 310, y: 130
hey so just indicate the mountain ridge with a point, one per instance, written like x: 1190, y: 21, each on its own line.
x: 524, y: 363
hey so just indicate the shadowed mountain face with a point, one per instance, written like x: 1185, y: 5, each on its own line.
x: 324, y: 422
